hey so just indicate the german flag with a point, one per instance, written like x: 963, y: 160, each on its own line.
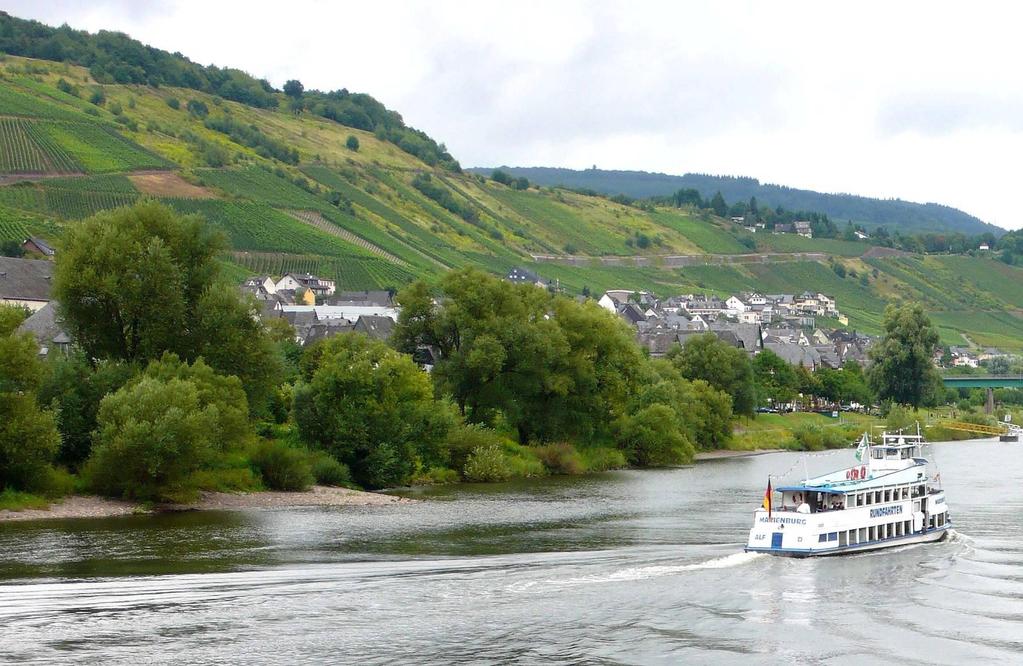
x: 767, y: 498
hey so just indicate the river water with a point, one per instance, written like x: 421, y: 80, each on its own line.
x: 625, y: 567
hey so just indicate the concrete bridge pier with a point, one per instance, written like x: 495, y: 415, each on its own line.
x: 989, y: 404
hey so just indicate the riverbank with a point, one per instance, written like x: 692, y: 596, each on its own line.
x: 89, y: 506
x: 729, y: 453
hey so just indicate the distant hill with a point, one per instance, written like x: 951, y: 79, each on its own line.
x: 906, y: 216
x: 333, y: 184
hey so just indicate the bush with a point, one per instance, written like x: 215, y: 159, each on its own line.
x: 352, y: 143
x: 560, y: 458
x: 282, y: 467
x: 601, y: 459
x: 465, y: 439
x: 197, y: 108
x: 487, y: 463
x: 173, y: 103
x: 97, y: 97
x: 327, y: 471
x: 151, y: 436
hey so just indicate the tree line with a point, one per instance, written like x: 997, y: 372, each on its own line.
x: 175, y: 385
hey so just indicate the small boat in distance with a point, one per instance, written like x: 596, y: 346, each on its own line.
x: 888, y: 498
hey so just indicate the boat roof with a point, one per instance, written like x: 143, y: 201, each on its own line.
x: 836, y: 483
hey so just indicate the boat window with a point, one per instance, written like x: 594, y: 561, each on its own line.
x: 888, y: 496
x: 877, y: 497
x: 877, y: 453
x: 822, y: 538
x: 870, y: 498
x: 833, y: 536
x: 859, y: 500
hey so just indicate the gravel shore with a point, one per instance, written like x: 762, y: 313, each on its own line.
x: 87, y: 506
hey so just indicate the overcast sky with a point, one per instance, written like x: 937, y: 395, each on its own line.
x: 917, y: 101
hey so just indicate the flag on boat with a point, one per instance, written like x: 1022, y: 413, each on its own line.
x: 863, y: 450
x: 767, y: 498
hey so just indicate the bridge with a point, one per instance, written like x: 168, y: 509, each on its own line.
x: 983, y: 381
x: 989, y: 382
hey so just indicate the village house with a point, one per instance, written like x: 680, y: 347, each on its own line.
x: 734, y: 306
x: 803, y: 228
x: 47, y: 330
x: 25, y: 282
x: 320, y: 287
x: 613, y: 298
x: 378, y: 298
x: 38, y: 246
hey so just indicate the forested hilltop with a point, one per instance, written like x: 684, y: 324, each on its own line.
x: 336, y: 185
x: 895, y: 214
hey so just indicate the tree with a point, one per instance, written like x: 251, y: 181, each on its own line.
x: 718, y: 205
x: 28, y: 437
x: 651, y: 438
x: 503, y: 177
x: 371, y: 408
x: 551, y: 367
x: 775, y: 378
x: 352, y: 143
x: 11, y: 317
x: 902, y: 370
x: 294, y: 89
x: 73, y: 388
x: 136, y: 282
x: 11, y: 248
x: 703, y: 413
x: 724, y: 367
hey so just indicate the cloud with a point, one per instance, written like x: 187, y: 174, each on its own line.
x: 942, y: 112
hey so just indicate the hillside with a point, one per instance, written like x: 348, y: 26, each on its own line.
x: 294, y: 190
x: 905, y: 216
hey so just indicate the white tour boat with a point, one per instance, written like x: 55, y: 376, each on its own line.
x: 887, y: 499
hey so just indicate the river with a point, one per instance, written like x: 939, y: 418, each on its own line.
x: 629, y: 567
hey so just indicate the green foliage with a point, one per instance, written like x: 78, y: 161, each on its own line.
x: 555, y: 369
x: 282, y: 467
x: 425, y: 184
x: 902, y: 370
x: 352, y: 143
x: 775, y: 378
x: 327, y: 471
x: 487, y: 464
x: 16, y: 500
x: 293, y: 88
x: 253, y: 137
x: 724, y: 367
x: 28, y: 442
x: 651, y: 437
x: 12, y: 248
x: 20, y: 369
x: 138, y: 282
x: 11, y: 317
x: 815, y: 437
x: 372, y: 409
x: 197, y: 108
x: 602, y: 459
x: 173, y: 103
x: 154, y: 434
x: 73, y: 389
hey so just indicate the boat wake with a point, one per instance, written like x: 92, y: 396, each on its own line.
x: 645, y: 572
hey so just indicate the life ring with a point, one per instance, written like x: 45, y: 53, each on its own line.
x: 849, y: 474
x: 855, y: 473
x: 863, y: 472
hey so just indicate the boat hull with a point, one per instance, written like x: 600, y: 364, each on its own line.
x: 936, y: 534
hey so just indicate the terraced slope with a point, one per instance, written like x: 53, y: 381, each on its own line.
x: 371, y: 219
